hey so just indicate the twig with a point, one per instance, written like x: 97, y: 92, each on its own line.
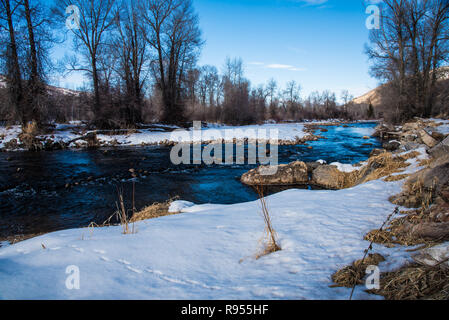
x: 395, y: 212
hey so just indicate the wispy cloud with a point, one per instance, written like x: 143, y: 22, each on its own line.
x: 313, y: 2
x: 277, y: 66
x: 320, y: 4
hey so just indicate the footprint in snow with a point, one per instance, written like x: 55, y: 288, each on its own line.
x: 182, y: 282
x: 122, y: 261
x: 99, y: 251
x: 134, y: 270
x: 105, y: 258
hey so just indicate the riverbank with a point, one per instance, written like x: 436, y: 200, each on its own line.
x: 76, y: 135
x: 209, y: 251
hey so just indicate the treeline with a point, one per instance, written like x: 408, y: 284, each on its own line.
x: 141, y: 61
x: 124, y: 47
x: 228, y: 97
x: 410, y: 53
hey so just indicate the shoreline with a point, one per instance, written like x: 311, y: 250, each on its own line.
x: 76, y: 137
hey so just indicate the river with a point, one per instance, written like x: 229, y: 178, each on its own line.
x: 49, y: 191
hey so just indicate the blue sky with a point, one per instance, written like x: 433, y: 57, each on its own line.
x: 322, y: 41
x: 317, y: 43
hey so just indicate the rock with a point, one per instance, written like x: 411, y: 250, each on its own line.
x: 408, y: 146
x: 433, y: 256
x: 329, y: 177
x: 409, y: 137
x: 382, y: 130
x: 295, y: 173
x: 312, y: 166
x: 425, y: 186
x: 426, y: 230
x: 440, y: 149
x: 376, y: 152
x: 11, y: 144
x: 427, y: 139
x: 391, y: 145
x: 437, y: 136
x: 410, y: 126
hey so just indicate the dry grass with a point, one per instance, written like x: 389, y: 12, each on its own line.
x: 270, y: 243
x: 384, y: 165
x: 416, y: 282
x: 29, y: 133
x: 394, y: 234
x: 30, y: 129
x: 398, y: 177
x: 353, y: 275
x: 122, y: 214
x: 156, y: 210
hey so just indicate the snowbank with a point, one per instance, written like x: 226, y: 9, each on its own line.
x: 287, y: 132
x: 67, y: 132
x: 208, y: 251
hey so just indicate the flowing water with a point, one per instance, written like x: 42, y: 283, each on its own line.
x: 48, y: 191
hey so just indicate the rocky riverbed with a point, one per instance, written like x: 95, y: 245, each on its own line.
x: 416, y: 154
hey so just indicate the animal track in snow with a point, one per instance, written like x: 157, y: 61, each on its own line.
x: 182, y: 281
x: 134, y: 270
x: 122, y: 261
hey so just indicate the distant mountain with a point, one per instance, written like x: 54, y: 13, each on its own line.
x: 374, y: 96
x: 51, y: 89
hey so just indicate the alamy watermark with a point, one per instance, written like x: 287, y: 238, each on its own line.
x: 373, y: 280
x: 373, y: 20
x: 190, y: 148
x: 73, y: 20
x: 72, y: 282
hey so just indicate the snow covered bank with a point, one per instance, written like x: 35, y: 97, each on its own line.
x: 65, y: 133
x: 287, y: 132
x: 207, y: 252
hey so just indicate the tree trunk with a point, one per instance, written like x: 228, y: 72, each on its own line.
x: 15, y: 73
x: 35, y: 85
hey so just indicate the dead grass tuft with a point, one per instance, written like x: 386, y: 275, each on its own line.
x: 384, y: 165
x: 153, y: 211
x: 416, y: 282
x: 398, y: 177
x: 270, y: 244
x: 353, y: 275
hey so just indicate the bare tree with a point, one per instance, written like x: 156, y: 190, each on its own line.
x: 132, y: 50
x: 408, y: 51
x: 96, y: 18
x: 175, y: 36
x: 14, y: 73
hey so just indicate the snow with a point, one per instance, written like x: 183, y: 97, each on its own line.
x: 178, y: 206
x: 9, y: 133
x: 344, y: 167
x: 287, y: 132
x: 208, y: 251
x: 444, y: 128
x: 434, y: 255
x: 152, y: 136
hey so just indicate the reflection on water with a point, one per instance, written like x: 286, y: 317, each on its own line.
x: 49, y: 191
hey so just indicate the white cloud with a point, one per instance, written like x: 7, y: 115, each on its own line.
x: 313, y: 2
x: 277, y: 66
